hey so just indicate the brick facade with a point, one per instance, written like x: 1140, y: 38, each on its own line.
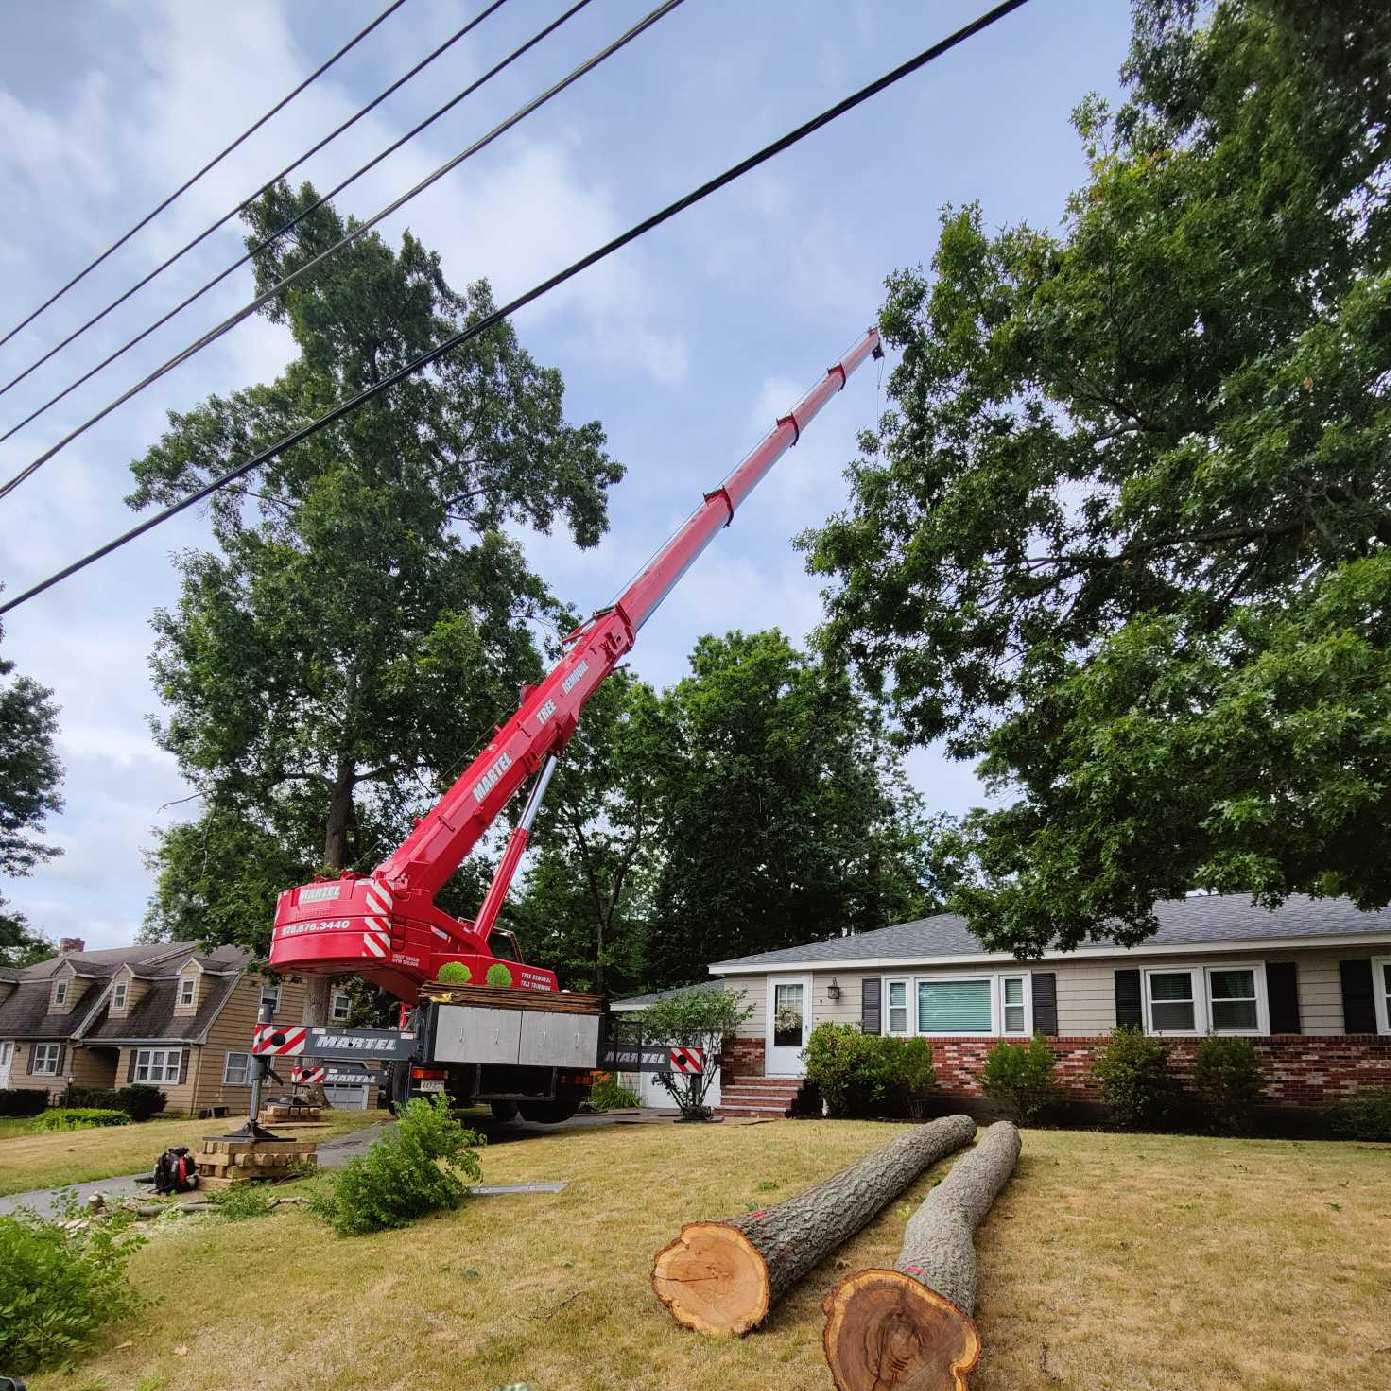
x: 1300, y: 1071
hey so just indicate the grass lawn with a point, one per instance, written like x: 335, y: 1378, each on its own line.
x: 30, y: 1159
x: 1128, y: 1263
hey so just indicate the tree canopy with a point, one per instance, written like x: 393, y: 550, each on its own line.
x: 363, y: 616
x: 1123, y: 533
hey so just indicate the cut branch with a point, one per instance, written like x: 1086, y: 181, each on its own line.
x: 913, y: 1326
x: 723, y: 1277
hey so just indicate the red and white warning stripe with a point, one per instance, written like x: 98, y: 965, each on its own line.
x: 690, y: 1060
x: 278, y: 1040
x: 376, y: 936
x: 307, y: 1076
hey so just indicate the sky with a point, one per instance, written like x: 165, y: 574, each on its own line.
x: 686, y: 346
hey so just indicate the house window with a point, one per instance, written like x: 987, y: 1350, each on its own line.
x: 1381, y: 985
x: 896, y: 996
x: 236, y: 1071
x: 157, y: 1064
x: 60, y: 993
x: 1172, y: 1007
x: 1231, y: 994
x: 956, y: 1006
x: 5, y: 1049
x: 188, y: 988
x: 270, y: 995
x: 120, y: 993
x: 340, y: 1007
x: 1014, y: 1012
x: 46, y: 1057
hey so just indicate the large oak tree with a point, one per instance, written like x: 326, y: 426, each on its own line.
x: 1124, y: 531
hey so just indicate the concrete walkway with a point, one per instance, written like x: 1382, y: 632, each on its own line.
x: 333, y: 1154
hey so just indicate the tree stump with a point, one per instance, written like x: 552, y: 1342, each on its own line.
x: 912, y: 1327
x: 723, y: 1277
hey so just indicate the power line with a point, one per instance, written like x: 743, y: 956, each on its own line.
x: 481, y: 326
x: 299, y: 217
x: 216, y: 159
x: 227, y: 217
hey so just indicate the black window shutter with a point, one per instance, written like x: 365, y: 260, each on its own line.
x: 870, y: 996
x: 1128, y: 1012
x: 1359, y: 1013
x: 62, y: 1053
x: 1282, y: 985
x: 30, y: 1068
x: 130, y: 1067
x: 1045, y: 991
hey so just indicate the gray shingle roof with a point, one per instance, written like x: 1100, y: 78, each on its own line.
x: 152, y: 1017
x: 1183, y: 922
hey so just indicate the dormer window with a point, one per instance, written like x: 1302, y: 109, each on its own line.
x: 60, y: 993
x: 120, y: 993
x: 188, y: 988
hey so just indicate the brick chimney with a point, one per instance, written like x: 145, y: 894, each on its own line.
x: 69, y: 945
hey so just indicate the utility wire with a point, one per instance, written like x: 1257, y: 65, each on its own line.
x: 216, y: 159
x: 227, y: 217
x: 299, y: 217
x: 490, y: 321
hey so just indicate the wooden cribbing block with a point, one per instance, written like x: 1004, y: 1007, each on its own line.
x: 912, y: 1327
x: 723, y: 1277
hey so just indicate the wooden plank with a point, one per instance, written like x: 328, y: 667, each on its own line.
x: 553, y: 1001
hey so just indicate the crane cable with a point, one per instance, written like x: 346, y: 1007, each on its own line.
x: 216, y: 159
x: 246, y: 311
x: 489, y: 321
x: 225, y: 218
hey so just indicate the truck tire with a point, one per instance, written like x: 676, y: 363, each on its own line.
x: 565, y: 1105
x: 504, y: 1111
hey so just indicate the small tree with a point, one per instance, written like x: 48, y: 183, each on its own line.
x: 694, y: 1019
x: 1227, y: 1076
x: 1021, y: 1077
x: 1133, y: 1073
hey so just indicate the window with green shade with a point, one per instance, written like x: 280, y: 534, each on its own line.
x: 955, y: 1006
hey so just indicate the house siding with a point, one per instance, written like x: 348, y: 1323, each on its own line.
x: 231, y: 1033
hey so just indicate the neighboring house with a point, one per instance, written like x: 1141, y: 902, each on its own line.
x: 164, y: 1013
x: 1309, y: 983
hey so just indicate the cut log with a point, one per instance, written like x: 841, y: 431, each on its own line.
x: 723, y: 1277
x: 912, y: 1327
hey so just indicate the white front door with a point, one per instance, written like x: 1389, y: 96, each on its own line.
x: 789, y: 1023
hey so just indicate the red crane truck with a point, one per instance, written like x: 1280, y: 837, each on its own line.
x: 508, y: 1036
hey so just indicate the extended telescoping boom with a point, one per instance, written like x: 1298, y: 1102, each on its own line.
x: 386, y: 927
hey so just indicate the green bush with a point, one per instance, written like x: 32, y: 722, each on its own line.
x: 454, y: 973
x: 1021, y: 1077
x: 19, y: 1101
x: 869, y: 1074
x: 607, y: 1095
x: 1364, y: 1116
x: 241, y: 1200
x: 1227, y: 1077
x: 414, y: 1171
x: 139, y: 1101
x: 699, y: 1018
x: 499, y: 977
x: 58, y: 1285
x: 80, y: 1118
x: 1136, y: 1085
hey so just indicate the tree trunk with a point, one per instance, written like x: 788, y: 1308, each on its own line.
x: 723, y: 1277
x: 912, y: 1327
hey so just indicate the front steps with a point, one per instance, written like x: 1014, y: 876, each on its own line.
x: 759, y: 1096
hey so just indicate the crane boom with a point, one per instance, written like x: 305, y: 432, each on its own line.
x: 386, y: 927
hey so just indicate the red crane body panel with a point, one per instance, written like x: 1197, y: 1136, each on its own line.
x: 386, y: 927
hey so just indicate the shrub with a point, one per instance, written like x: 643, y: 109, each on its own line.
x: 1021, y: 1077
x: 1227, y: 1076
x: 869, y: 1074
x: 1364, y: 1116
x: 1133, y: 1073
x: 19, y: 1101
x: 404, y: 1175
x: 607, y: 1095
x: 241, y: 1200
x: 139, y: 1101
x: 499, y: 977
x: 59, y: 1284
x: 454, y: 973
x: 80, y: 1118
x: 694, y: 1019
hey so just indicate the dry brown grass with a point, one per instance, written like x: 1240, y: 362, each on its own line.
x: 1110, y: 1262
x: 30, y: 1160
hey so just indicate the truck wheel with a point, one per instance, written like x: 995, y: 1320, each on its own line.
x: 504, y: 1111
x: 552, y: 1112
